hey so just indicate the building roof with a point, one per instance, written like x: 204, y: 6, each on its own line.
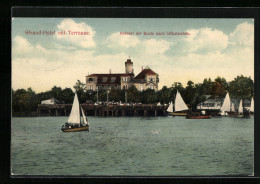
x: 52, y: 98
x: 109, y: 79
x: 145, y: 72
x: 128, y: 61
x: 109, y: 74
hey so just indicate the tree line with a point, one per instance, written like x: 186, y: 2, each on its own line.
x: 241, y: 87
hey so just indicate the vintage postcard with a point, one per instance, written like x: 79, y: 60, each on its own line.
x: 132, y: 97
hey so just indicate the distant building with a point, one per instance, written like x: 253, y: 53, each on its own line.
x: 214, y: 104
x: 146, y: 79
x: 211, y: 104
x: 50, y: 101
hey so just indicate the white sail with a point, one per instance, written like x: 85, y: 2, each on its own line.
x: 252, y: 107
x: 84, y: 117
x: 226, y: 104
x: 170, y: 108
x: 240, y: 108
x: 75, y: 112
x: 179, y: 103
x: 232, y: 108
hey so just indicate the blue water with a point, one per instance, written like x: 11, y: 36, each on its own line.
x: 133, y: 146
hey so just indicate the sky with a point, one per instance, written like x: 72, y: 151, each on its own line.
x: 213, y: 47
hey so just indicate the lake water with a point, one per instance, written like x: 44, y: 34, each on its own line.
x: 133, y: 146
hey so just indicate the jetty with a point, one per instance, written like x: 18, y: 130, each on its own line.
x: 104, y: 110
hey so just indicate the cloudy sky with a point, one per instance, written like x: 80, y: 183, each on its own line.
x: 214, y: 47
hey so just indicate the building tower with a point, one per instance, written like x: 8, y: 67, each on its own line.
x: 129, y: 66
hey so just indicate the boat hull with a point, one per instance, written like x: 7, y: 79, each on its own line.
x: 178, y: 113
x: 198, y: 117
x: 239, y: 115
x: 76, y: 129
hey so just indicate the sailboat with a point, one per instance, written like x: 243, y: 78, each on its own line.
x: 179, y: 106
x: 252, y: 106
x: 240, y: 109
x: 225, y: 108
x: 232, y: 108
x: 75, y: 123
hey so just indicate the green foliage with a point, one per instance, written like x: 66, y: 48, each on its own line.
x: 102, y: 95
x: 80, y: 88
x: 165, y: 95
x: 219, y: 87
x: 148, y: 96
x: 66, y: 96
x: 189, y: 94
x: 24, y: 100
x: 240, y: 88
x: 132, y: 94
x: 116, y: 95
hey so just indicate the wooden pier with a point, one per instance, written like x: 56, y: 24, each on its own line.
x: 104, y: 110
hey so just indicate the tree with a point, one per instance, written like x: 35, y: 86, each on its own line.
x: 177, y: 86
x: 18, y: 100
x: 219, y: 87
x: 116, y: 95
x: 80, y: 88
x: 165, y: 95
x: 67, y: 96
x: 132, y: 94
x: 189, y: 94
x: 241, y: 87
x: 56, y: 92
x: 205, y: 87
x: 148, y: 96
x: 102, y: 95
x: 24, y: 100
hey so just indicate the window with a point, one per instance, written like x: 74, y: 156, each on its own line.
x: 141, y: 87
x: 150, y: 87
x: 151, y: 79
x: 90, y: 87
x: 113, y: 79
x: 90, y: 80
x: 124, y: 79
x: 104, y: 79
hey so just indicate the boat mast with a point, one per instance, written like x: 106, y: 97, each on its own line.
x: 79, y: 115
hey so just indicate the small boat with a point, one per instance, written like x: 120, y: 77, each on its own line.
x: 179, y: 106
x: 198, y: 117
x: 252, y: 107
x: 75, y: 123
x: 225, y: 108
x: 242, y: 113
x: 240, y: 110
x: 232, y: 112
x: 201, y: 115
